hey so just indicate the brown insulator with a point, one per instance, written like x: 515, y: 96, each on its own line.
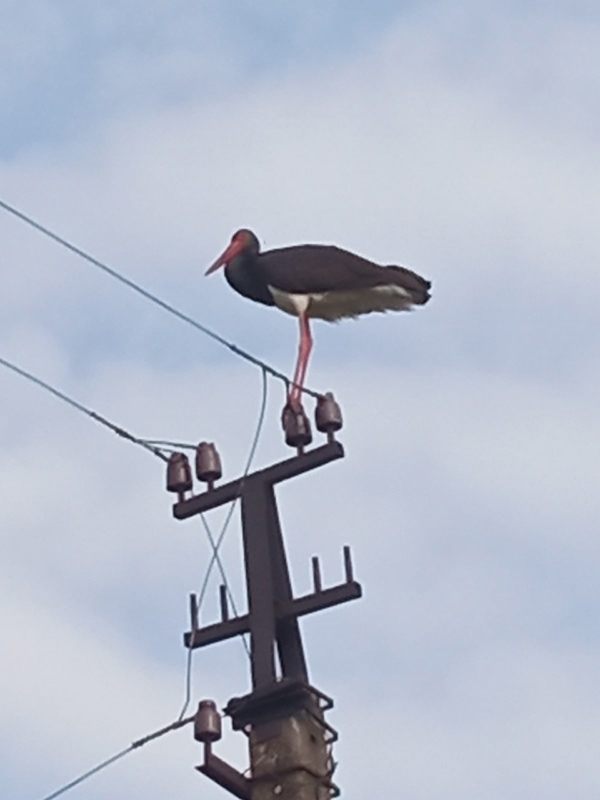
x: 179, y: 474
x: 208, y: 463
x: 207, y: 722
x: 296, y: 426
x: 328, y: 415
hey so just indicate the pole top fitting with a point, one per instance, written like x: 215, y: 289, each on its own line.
x: 296, y: 426
x: 207, y: 722
x: 208, y: 463
x: 328, y: 415
x: 179, y: 474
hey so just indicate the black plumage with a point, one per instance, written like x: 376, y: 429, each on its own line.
x: 319, y: 281
x: 314, y: 269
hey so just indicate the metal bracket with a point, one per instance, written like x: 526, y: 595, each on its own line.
x: 297, y: 607
x: 283, y: 699
x: 278, y: 691
x: 273, y: 613
x: 224, y: 774
x: 283, y: 471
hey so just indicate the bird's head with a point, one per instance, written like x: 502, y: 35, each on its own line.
x: 242, y: 241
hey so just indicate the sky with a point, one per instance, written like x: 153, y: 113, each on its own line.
x: 458, y: 138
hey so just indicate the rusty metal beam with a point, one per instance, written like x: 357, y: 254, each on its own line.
x: 225, y: 775
x: 309, y: 603
x: 282, y: 471
x: 299, y: 607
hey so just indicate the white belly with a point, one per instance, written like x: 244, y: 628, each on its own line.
x: 337, y: 305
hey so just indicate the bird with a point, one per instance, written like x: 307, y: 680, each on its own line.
x: 314, y: 281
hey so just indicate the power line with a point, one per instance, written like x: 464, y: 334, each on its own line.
x: 150, y: 446
x: 133, y: 746
x: 152, y: 297
x: 88, y: 774
x: 172, y: 446
x: 251, y: 454
x: 216, y: 545
x: 84, y: 409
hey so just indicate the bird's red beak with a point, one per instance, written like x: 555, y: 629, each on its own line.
x: 231, y: 252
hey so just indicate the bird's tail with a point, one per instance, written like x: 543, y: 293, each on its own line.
x: 418, y: 287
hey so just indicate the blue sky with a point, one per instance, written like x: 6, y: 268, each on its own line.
x: 456, y: 138
x: 107, y: 59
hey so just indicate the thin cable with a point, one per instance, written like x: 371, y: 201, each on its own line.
x: 84, y: 410
x: 215, y: 545
x: 215, y: 558
x: 252, y: 453
x: 88, y: 774
x: 218, y: 560
x: 153, y: 298
x: 133, y: 746
x: 168, y: 445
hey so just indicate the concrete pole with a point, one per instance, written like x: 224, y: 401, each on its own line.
x: 290, y: 760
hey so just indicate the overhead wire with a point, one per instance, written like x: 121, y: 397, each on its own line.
x: 158, y: 448
x: 133, y: 746
x: 165, y: 444
x: 136, y: 287
x: 150, y: 445
x: 84, y: 409
x: 216, y: 544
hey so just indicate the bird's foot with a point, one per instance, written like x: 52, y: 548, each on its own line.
x: 295, y: 424
x: 294, y: 402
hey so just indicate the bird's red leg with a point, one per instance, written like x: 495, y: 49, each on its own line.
x: 304, y: 349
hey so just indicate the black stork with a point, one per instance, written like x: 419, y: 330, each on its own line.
x: 317, y: 281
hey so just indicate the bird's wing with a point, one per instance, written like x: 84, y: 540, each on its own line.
x: 308, y: 269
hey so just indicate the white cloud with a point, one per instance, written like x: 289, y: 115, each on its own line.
x: 443, y: 596
x: 395, y: 156
x: 468, y: 489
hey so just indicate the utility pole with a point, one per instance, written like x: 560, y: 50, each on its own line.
x: 290, y: 741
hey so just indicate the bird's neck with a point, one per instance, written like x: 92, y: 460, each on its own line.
x: 243, y: 273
